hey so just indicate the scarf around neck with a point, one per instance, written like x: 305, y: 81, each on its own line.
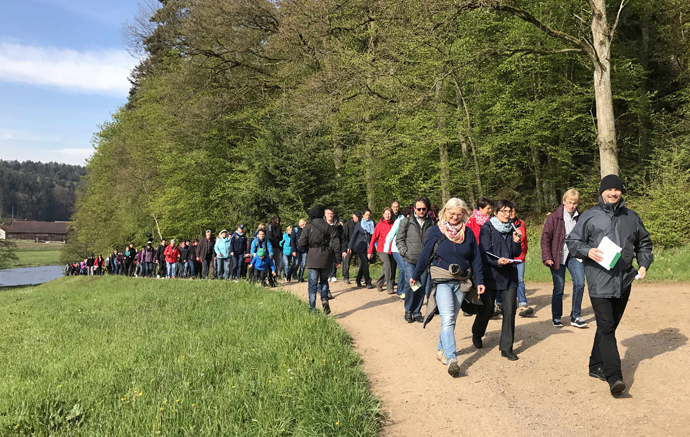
x: 455, y: 235
x: 503, y: 228
x: 368, y: 225
x: 480, y: 218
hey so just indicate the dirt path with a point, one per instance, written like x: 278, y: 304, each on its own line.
x: 546, y: 392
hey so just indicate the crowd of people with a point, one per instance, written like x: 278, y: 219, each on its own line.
x: 455, y: 259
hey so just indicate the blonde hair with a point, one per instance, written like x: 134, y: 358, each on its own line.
x: 455, y: 203
x: 571, y: 194
x: 302, y: 222
x: 289, y: 227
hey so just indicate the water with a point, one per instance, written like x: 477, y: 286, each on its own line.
x: 29, y: 275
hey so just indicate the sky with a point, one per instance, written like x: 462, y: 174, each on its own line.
x: 63, y: 72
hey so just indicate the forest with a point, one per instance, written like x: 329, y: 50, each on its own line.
x: 36, y: 191
x: 244, y: 109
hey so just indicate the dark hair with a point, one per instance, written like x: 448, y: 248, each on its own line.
x: 261, y: 230
x: 483, y: 202
x: 395, y: 201
x: 407, y: 210
x: 435, y: 209
x: 503, y: 204
x: 365, y: 210
x: 422, y: 199
x: 274, y: 218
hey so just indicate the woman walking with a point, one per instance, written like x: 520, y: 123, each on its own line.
x: 285, y: 244
x: 378, y: 239
x: 453, y: 257
x: 392, y: 245
x: 359, y: 244
x: 499, y: 245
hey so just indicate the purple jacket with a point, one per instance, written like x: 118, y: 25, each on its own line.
x: 553, y: 236
x: 149, y: 254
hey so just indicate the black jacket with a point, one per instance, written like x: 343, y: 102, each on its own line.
x: 323, y: 243
x: 204, y: 250
x: 624, y: 227
x: 160, y: 255
x: 132, y: 253
x: 275, y: 235
x: 348, y: 230
x: 359, y: 240
x: 186, y: 253
x: 411, y: 237
x: 238, y: 243
x: 502, y: 245
x: 294, y: 240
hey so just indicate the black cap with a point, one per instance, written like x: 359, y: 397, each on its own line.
x: 316, y: 212
x: 610, y: 181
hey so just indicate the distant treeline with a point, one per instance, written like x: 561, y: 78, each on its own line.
x: 36, y: 191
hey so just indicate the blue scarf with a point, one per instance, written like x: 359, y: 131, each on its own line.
x: 503, y: 228
x: 368, y: 225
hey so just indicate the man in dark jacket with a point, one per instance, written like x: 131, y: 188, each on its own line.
x: 556, y: 256
x: 410, y: 240
x: 204, y: 253
x: 348, y: 229
x: 323, y: 245
x: 299, y: 253
x: 609, y: 286
x: 160, y: 259
x: 238, y: 248
x: 130, y: 254
x: 274, y: 233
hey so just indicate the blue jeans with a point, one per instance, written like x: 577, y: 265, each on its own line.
x: 237, y: 260
x: 414, y: 299
x: 299, y: 263
x: 318, y: 283
x: 577, y: 271
x: 286, y: 265
x: 172, y: 269
x: 190, y: 268
x: 402, y: 276
x: 448, y: 298
x: 149, y: 269
x: 223, y: 268
x: 522, y: 299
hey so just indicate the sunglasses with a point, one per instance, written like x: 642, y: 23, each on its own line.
x: 420, y: 209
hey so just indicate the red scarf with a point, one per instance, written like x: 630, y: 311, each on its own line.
x: 480, y: 218
x: 456, y: 235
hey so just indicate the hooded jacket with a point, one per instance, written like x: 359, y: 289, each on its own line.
x: 222, y: 247
x: 258, y: 244
x: 624, y: 227
x: 238, y: 243
x: 411, y: 237
x: 378, y: 239
x: 322, y: 241
x: 274, y: 233
x: 172, y: 254
x: 294, y: 241
x: 149, y: 254
x: 262, y: 264
x: 285, y: 244
x: 553, y: 236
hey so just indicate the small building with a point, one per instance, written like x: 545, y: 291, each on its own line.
x: 35, y: 231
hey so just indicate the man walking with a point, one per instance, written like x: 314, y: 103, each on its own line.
x: 609, y: 286
x: 238, y: 246
x: 348, y: 230
x: 204, y: 253
x: 275, y: 235
x: 160, y: 259
x: 323, y: 245
x: 556, y: 256
x: 410, y: 240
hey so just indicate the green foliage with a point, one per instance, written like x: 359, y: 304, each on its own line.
x: 8, y: 256
x: 217, y: 359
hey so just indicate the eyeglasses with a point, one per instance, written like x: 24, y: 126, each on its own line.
x: 420, y: 209
x: 453, y: 214
x: 505, y: 211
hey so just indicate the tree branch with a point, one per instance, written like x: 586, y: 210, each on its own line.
x: 618, y: 16
x: 526, y: 51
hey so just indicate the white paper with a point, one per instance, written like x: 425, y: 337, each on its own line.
x: 416, y: 286
x: 611, y: 253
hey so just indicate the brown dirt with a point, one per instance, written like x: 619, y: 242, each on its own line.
x: 547, y: 392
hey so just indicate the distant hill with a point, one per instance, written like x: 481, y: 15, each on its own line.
x: 36, y: 191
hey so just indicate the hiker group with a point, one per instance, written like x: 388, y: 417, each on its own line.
x: 454, y: 259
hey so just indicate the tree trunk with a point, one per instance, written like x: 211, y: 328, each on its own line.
x: 642, y: 119
x: 442, y: 144
x: 460, y: 98
x: 606, y: 121
x: 369, y: 175
x: 537, y: 179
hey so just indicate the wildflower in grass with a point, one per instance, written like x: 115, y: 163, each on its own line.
x: 335, y: 377
x: 60, y: 386
x: 165, y: 400
x: 338, y: 361
x: 152, y: 379
x: 233, y: 386
x: 177, y: 400
x: 122, y: 399
x: 324, y: 361
x: 140, y: 394
x: 161, y: 408
x: 193, y: 405
x: 269, y: 381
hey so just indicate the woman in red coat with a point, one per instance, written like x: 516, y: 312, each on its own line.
x: 480, y: 216
x: 378, y: 239
x: 172, y: 254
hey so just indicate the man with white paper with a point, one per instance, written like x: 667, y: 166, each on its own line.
x: 609, y: 271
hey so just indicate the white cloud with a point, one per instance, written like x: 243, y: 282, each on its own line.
x: 79, y: 153
x: 103, y: 72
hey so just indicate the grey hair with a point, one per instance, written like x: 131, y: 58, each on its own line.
x: 455, y: 203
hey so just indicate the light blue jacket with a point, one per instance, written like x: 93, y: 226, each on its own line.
x: 263, y: 264
x: 222, y: 247
x: 285, y: 244
x: 390, y: 238
x: 255, y: 247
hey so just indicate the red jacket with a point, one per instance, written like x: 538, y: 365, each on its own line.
x: 472, y: 224
x: 381, y: 231
x: 172, y: 254
x: 553, y: 236
x: 523, y: 241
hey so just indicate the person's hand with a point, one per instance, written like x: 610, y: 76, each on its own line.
x: 481, y: 289
x: 412, y: 282
x: 549, y: 263
x: 503, y: 261
x: 595, y: 255
x: 294, y: 254
x: 273, y: 273
x: 337, y: 266
x: 349, y: 251
x: 232, y: 253
x: 517, y: 236
x: 344, y: 254
x: 642, y: 272
x: 369, y: 256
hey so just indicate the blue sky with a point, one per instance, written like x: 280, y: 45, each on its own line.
x: 63, y: 71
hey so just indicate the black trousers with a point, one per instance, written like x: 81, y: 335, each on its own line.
x: 363, y: 271
x: 346, y: 265
x: 485, y: 313
x: 129, y: 270
x: 608, y: 313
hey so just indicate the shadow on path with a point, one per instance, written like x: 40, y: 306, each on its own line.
x: 646, y: 347
x: 371, y: 304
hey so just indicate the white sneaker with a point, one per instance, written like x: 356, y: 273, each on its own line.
x: 334, y: 279
x: 578, y: 323
x: 236, y: 281
x: 441, y: 356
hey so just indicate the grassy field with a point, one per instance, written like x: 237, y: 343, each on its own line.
x: 32, y: 254
x: 112, y: 356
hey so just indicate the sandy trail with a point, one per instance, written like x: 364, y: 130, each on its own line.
x: 548, y: 391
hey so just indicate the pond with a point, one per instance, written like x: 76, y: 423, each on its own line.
x: 29, y: 275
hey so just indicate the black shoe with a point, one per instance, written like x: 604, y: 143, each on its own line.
x: 477, y: 342
x: 597, y: 372
x: 408, y: 317
x: 370, y: 287
x: 617, y: 387
x: 330, y: 296
x: 326, y: 307
x: 419, y: 319
x: 510, y: 355
x: 359, y: 285
x: 346, y: 281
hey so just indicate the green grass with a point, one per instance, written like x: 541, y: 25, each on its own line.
x: 32, y: 254
x: 112, y: 356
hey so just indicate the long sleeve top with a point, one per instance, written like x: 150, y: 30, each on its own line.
x: 465, y: 254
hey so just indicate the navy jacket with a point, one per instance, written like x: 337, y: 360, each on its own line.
x: 238, y: 243
x: 465, y: 254
x: 501, y: 245
x: 359, y: 241
x: 296, y: 233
